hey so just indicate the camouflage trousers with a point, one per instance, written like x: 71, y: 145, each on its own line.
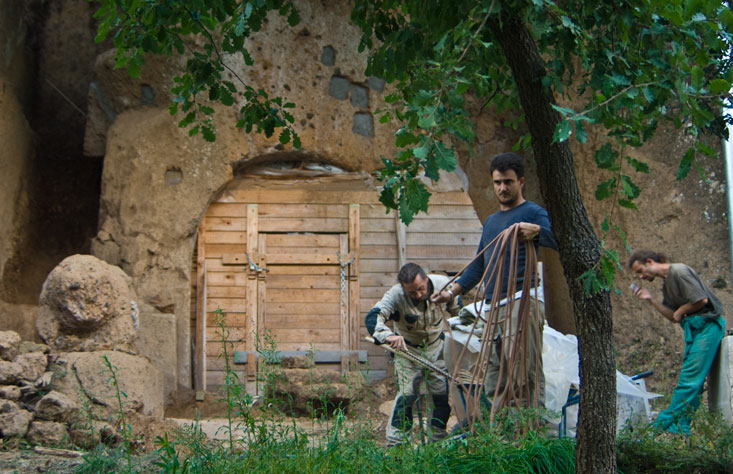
x: 410, y: 377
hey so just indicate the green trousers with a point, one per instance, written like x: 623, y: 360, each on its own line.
x: 702, y: 339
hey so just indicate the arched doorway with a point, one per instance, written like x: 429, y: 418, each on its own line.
x: 299, y: 256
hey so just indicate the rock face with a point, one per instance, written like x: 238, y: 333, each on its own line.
x: 138, y: 379
x: 87, y: 304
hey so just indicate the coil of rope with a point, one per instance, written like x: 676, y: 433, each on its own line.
x: 512, y: 390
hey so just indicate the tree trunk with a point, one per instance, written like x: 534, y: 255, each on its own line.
x: 578, y: 246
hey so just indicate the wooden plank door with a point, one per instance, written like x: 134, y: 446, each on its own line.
x: 304, y: 296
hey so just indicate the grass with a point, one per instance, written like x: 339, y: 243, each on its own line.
x: 272, y: 444
x: 708, y: 449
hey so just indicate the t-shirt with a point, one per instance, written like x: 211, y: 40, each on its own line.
x: 683, y: 285
x: 495, y: 224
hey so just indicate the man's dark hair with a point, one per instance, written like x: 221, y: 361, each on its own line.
x: 409, y: 272
x: 643, y: 255
x: 508, y: 161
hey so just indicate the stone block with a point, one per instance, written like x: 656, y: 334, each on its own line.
x: 10, y: 372
x: 28, y: 346
x: 375, y: 83
x: 338, y: 88
x: 33, y: 365
x: 10, y: 392
x: 9, y: 345
x: 156, y: 340
x: 47, y: 433
x: 55, y: 406
x: 86, y: 304
x: 138, y: 378
x: 363, y: 124
x: 15, y: 423
x: 359, y: 96
x: 328, y: 56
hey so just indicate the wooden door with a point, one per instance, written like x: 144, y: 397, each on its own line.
x: 305, y: 301
x: 280, y: 279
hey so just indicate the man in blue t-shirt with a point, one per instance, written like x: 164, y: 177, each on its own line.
x: 507, y: 172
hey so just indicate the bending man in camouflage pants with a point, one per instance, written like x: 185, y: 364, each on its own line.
x: 418, y: 325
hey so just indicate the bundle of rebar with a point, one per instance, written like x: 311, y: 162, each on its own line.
x: 513, y: 386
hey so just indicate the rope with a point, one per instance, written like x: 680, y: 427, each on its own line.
x: 514, y: 365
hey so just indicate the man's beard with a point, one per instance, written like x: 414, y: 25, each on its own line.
x: 507, y: 200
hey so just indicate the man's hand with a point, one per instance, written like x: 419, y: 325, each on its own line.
x: 396, y: 342
x: 643, y: 294
x: 442, y: 297
x: 529, y: 231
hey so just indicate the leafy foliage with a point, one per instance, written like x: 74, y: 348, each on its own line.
x: 632, y: 66
x: 169, y: 27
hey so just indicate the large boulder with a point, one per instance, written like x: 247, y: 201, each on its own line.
x: 9, y: 345
x: 140, y: 382
x: 87, y: 304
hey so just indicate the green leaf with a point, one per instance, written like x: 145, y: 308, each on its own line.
x: 580, y: 134
x: 209, y: 133
x: 629, y: 188
x: 405, y: 138
x: 685, y: 164
x: 413, y: 199
x: 445, y: 157
x: 719, y: 86
x: 606, y: 189
x: 639, y: 166
x: 627, y: 204
x: 706, y: 150
x: 604, y: 225
x: 562, y: 131
x: 696, y: 78
x: 421, y: 152
x: 563, y: 110
x: 427, y: 117
x: 285, y: 136
x: 607, y: 158
x: 387, y: 198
